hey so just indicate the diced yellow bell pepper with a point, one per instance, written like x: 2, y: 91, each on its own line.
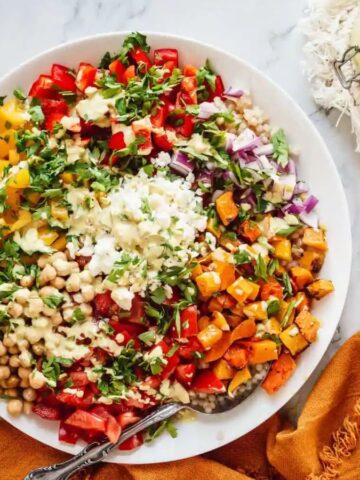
x: 23, y: 219
x: 3, y: 164
x: 256, y: 310
x: 208, y: 283
x: 283, y: 249
x: 20, y: 180
x: 223, y: 370
x: 220, y: 321
x: 14, y: 157
x: 273, y: 326
x: 12, y: 112
x: 263, y: 351
x: 59, y: 212
x: 67, y: 177
x: 243, y: 289
x: 47, y: 236
x: 240, y: 377
x: 293, y: 340
x: 315, y: 238
x: 59, y: 244
x: 209, y: 336
x: 7, y: 142
x: 33, y: 198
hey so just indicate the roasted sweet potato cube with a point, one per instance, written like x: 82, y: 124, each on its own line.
x: 315, y: 238
x: 256, y: 310
x: 209, y: 336
x: 263, y: 351
x: 243, y: 289
x: 281, y: 370
x: 226, y: 208
x: 293, y: 340
x: 308, y: 325
x: 320, y: 288
x: 208, y: 283
x: 312, y: 260
x: 237, y: 356
x: 240, y: 377
x: 223, y: 370
x: 301, y: 276
x: 283, y: 249
x: 226, y: 272
x: 220, y: 321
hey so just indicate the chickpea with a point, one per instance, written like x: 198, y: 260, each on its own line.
x: 13, y: 381
x: 49, y: 312
x: 23, y: 345
x: 34, y: 308
x: 13, y: 350
x: 15, y: 309
x: 4, y: 360
x: 62, y: 267
x: 86, y: 308
x: 22, y: 296
x: 58, y: 283
x: 24, y: 373
x: 8, y: 341
x: 73, y: 283
x: 43, y: 260
x: 25, y: 358
x: 27, y: 281
x: 29, y: 394
x: 86, y: 277
x: 4, y: 372
x: 27, y: 408
x: 78, y: 298
x: 67, y: 314
x: 48, y: 274
x: 11, y: 392
x: 74, y: 267
x: 57, y: 256
x: 56, y: 319
x: 88, y: 293
x: 14, y: 361
x: 33, y: 335
x: 37, y: 380
x: 15, y: 407
x: 38, y: 349
x: 2, y: 349
x: 48, y: 291
x: 40, y: 322
x: 24, y: 383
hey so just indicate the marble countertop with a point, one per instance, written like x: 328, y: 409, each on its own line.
x: 262, y: 32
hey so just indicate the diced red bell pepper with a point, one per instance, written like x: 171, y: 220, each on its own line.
x: 137, y: 310
x: 74, y: 400
x: 79, y: 379
x: 68, y: 434
x: 113, y: 429
x: 188, y: 350
x: 162, y: 141
x: 190, y: 70
x: 175, y: 297
x: 133, y: 442
x: 85, y: 76
x: 170, y: 367
x: 146, y: 144
x: 86, y: 420
x: 188, y: 84
x: 163, y: 55
x: 62, y: 78
x: 159, y: 116
x: 50, y: 106
x: 141, y: 58
x: 43, y: 87
x: 219, y: 88
x: 169, y: 67
x: 116, y: 141
x: 133, y: 329
x: 46, y: 411
x: 187, y: 128
x: 207, y: 382
x: 186, y: 98
x: 189, y: 321
x: 185, y: 373
x: 129, y: 74
x: 104, y: 305
x: 153, y: 381
x: 127, y: 418
x: 118, y: 69
x: 52, y: 120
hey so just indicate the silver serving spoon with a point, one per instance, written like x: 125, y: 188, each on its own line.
x: 97, y: 451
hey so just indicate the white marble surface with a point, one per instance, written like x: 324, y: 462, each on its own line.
x: 263, y: 32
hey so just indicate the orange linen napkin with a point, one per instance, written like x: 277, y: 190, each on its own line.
x: 324, y: 446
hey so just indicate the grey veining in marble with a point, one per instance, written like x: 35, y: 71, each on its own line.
x: 263, y: 32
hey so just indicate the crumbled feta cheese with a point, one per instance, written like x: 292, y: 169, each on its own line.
x: 30, y: 242
x: 123, y: 297
x: 93, y: 108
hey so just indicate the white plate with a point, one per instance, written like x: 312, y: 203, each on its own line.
x: 316, y: 167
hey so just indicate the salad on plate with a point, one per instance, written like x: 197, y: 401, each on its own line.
x: 156, y: 244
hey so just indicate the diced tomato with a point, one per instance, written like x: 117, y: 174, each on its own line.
x: 141, y: 58
x: 89, y: 129
x: 104, y: 305
x: 162, y: 141
x: 170, y: 367
x: 185, y: 374
x: 85, y: 76
x: 169, y: 67
x: 127, y: 418
x: 113, y: 429
x: 116, y: 141
x: 50, y: 106
x: 188, y: 350
x: 43, y: 87
x: 118, y: 69
x: 186, y: 98
x: 74, y: 400
x: 129, y: 74
x: 52, y: 120
x: 271, y: 288
x: 175, y: 298
x: 79, y: 379
x: 187, y: 127
x: 190, y: 71
x: 82, y: 260
x: 188, y: 84
x: 62, y: 78
x: 145, y: 145
x: 207, y: 382
x: 86, y: 420
x: 188, y: 320
x: 159, y: 116
x: 137, y: 311
x: 163, y: 55
x: 133, y: 329
x: 46, y: 411
x: 132, y: 442
x: 219, y: 88
x: 68, y: 434
x: 153, y: 381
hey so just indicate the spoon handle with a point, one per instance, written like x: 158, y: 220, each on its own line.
x: 96, y: 452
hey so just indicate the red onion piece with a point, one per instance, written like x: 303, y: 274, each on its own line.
x: 233, y: 92
x: 264, y: 149
x: 181, y: 164
x: 216, y: 195
x: 310, y: 219
x: 207, y: 109
x: 310, y: 203
x: 247, y: 140
x: 206, y: 178
x: 300, y: 187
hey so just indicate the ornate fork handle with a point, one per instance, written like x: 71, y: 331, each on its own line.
x: 96, y: 452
